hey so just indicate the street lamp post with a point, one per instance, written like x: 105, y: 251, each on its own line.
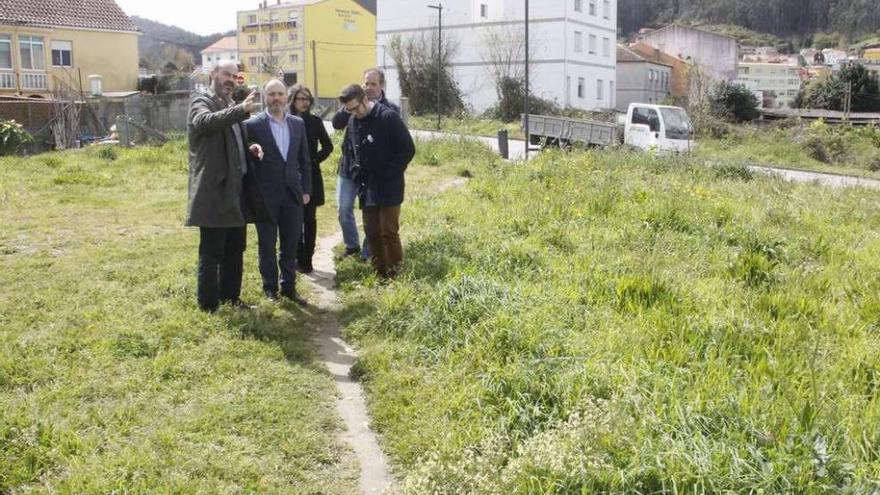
x: 526, y: 98
x: 439, y: 8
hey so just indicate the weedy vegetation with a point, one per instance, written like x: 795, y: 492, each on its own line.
x: 613, y: 322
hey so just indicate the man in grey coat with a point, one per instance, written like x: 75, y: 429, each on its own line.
x: 217, y: 166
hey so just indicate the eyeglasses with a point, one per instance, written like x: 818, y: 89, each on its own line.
x: 352, y: 109
x: 302, y: 98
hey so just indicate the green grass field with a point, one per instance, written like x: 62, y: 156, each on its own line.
x: 617, y: 323
x: 603, y: 322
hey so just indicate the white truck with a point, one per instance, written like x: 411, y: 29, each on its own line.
x: 661, y: 128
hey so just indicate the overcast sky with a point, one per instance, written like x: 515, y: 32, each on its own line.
x: 198, y: 16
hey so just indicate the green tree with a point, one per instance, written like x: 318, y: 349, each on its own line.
x: 830, y: 93
x: 733, y: 102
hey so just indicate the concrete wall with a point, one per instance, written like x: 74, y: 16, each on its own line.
x: 717, y: 54
x: 555, y: 64
x: 634, y: 84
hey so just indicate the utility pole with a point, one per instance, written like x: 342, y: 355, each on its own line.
x: 847, y: 102
x: 526, y: 98
x: 315, y: 67
x: 439, y: 8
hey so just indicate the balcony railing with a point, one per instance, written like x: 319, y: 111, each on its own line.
x: 34, y: 81
x: 7, y: 80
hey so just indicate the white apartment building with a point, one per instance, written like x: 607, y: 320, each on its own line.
x: 778, y: 83
x: 572, y: 45
x: 224, y: 49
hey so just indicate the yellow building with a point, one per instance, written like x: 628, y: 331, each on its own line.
x: 872, y: 54
x: 49, y: 45
x: 324, y: 44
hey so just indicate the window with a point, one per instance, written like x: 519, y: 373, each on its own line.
x: 62, y: 53
x: 578, y: 42
x: 606, y: 47
x: 292, y: 36
x: 578, y: 5
x: 294, y: 58
x: 484, y: 10
x: 592, y: 7
x: 646, y: 116
x: 273, y: 37
x: 33, y: 54
x: 611, y: 94
x: 252, y: 19
x: 273, y: 16
x: 650, y: 74
x: 292, y: 15
x: 606, y: 9
x: 252, y: 61
x: 600, y: 89
x: 581, y: 89
x: 5, y: 51
x: 593, y: 44
x: 252, y: 39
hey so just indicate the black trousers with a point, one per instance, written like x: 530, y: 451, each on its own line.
x: 221, y: 253
x: 310, y: 233
x: 286, y: 229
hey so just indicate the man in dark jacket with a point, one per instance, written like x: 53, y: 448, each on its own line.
x: 346, y: 190
x: 217, y: 167
x: 284, y: 174
x: 380, y: 149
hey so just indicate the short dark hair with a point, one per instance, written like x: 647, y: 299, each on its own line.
x: 351, y: 92
x: 379, y: 72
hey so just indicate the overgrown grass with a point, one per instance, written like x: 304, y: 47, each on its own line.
x: 618, y: 323
x: 817, y: 146
x: 110, y: 379
x: 467, y: 125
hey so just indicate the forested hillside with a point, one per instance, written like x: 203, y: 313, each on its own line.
x: 162, y: 43
x: 796, y: 19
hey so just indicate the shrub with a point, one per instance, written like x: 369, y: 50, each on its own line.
x: 12, y: 137
x: 733, y: 102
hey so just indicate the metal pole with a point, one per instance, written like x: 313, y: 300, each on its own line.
x: 526, y: 98
x: 315, y: 68
x: 439, y: 8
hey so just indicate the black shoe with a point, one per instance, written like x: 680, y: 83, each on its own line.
x: 349, y: 251
x: 293, y: 296
x: 271, y: 294
x: 305, y: 268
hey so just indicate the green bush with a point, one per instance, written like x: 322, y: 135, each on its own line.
x: 12, y: 137
x: 733, y: 102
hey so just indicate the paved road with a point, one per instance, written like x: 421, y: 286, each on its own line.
x: 516, y: 149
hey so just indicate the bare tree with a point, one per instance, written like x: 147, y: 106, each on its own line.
x: 416, y: 59
x: 66, y: 108
x: 505, y: 52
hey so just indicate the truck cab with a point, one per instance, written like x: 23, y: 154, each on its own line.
x: 662, y: 128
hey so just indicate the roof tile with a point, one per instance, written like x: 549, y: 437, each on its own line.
x: 88, y: 14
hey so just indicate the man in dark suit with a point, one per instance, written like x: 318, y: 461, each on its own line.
x: 284, y: 174
x: 222, y: 196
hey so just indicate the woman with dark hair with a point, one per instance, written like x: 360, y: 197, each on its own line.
x: 301, y: 101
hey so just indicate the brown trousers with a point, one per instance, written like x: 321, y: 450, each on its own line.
x: 381, y: 224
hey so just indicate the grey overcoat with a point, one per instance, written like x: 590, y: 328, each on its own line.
x: 215, y: 177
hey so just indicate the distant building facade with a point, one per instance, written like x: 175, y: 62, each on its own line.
x: 641, y: 80
x: 50, y: 45
x: 716, y: 54
x: 680, y: 71
x: 778, y: 83
x: 224, y: 49
x: 572, y: 56
x: 324, y: 44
